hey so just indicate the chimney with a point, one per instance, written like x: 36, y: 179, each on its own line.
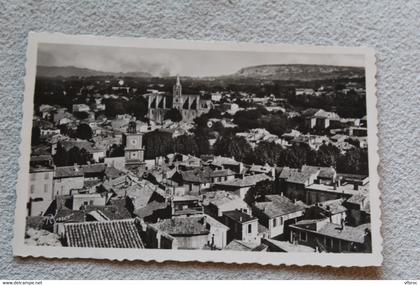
x: 204, y: 220
x: 240, y: 218
x: 76, y: 167
x: 343, y: 224
x: 281, y: 194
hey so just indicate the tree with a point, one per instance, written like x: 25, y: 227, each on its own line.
x: 174, y: 115
x: 186, y: 144
x: 61, y: 156
x: 203, y: 145
x: 116, y: 150
x: 234, y: 146
x: 258, y: 191
x: 157, y: 143
x: 354, y: 161
x: 138, y: 107
x: 84, y: 132
x: 267, y: 152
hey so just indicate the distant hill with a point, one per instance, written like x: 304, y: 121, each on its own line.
x: 301, y: 72
x: 68, y: 71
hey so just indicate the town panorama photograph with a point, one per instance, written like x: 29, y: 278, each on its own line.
x: 193, y: 149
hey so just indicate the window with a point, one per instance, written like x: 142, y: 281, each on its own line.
x: 85, y: 203
x: 281, y: 220
x: 46, y: 175
x: 32, y: 189
x: 250, y: 228
x: 91, y: 202
x: 303, y: 236
x: 274, y: 222
x: 45, y: 188
x: 33, y: 176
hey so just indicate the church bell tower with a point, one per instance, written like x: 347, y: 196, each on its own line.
x: 133, y: 147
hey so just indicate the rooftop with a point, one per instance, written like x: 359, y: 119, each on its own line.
x: 246, y: 181
x: 239, y: 245
x: 183, y: 226
x: 239, y: 216
x: 68, y: 171
x: 352, y: 234
x: 276, y: 205
x: 109, y: 234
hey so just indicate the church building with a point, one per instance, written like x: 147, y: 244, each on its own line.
x: 190, y: 106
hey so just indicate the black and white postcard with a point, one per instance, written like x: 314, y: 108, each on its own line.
x: 144, y: 149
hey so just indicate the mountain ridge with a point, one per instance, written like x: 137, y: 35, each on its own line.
x: 69, y: 71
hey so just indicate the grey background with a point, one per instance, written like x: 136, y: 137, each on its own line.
x: 389, y: 26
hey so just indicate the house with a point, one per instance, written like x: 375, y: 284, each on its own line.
x: 358, y: 131
x: 221, y: 162
x: 194, y: 180
x: 358, y: 207
x: 190, y: 232
x: 313, y: 184
x: 67, y: 178
x: 117, y: 162
x: 333, y: 210
x: 108, y: 234
x: 49, y: 132
x: 81, y: 201
x: 276, y: 212
x: 41, y: 192
x: 324, y: 236
x: 217, y: 202
x: 80, y: 108
x: 262, y: 169
x: 284, y: 246
x: 189, y: 162
x: 94, y: 171
x: 320, y: 119
x: 240, y: 186
x: 242, y: 226
x: 217, y: 238
x: 186, y: 206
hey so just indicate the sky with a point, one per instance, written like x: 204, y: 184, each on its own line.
x: 171, y: 62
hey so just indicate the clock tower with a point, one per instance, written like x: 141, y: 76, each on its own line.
x: 133, y: 147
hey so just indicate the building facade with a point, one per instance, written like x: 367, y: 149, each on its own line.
x: 189, y: 105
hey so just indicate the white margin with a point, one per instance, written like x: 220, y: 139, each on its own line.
x: 273, y: 258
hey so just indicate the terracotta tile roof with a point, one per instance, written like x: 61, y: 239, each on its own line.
x: 277, y: 205
x: 246, y: 181
x: 115, y: 210
x: 67, y: 145
x: 149, y: 209
x: 183, y: 226
x: 94, y: 168
x: 65, y: 215
x: 239, y: 245
x: 299, y: 177
x: 221, y: 160
x: 220, y: 198
x: 239, y: 216
x: 334, y: 206
x: 112, y: 173
x: 203, y: 175
x: 352, y: 234
x: 68, y: 171
x: 110, y: 234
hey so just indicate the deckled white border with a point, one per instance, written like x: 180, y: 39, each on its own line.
x: 159, y: 255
